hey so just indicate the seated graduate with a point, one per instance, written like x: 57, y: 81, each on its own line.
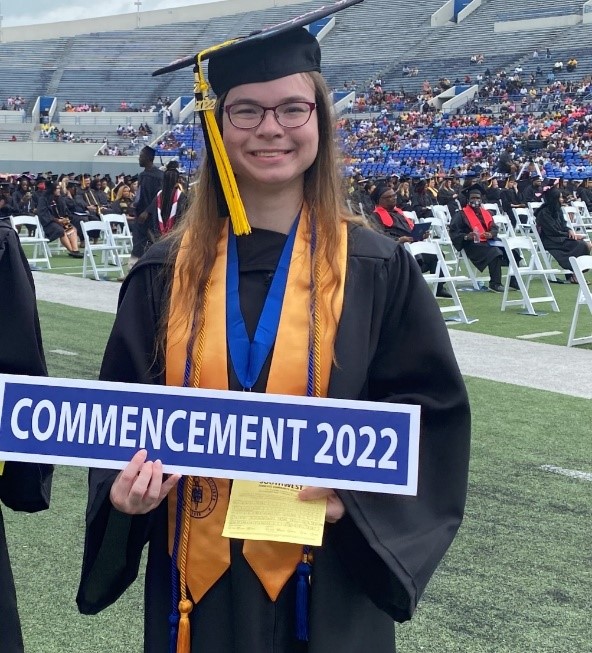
x: 123, y: 204
x: 55, y: 219
x: 381, y: 326
x: 471, y: 229
x: 24, y: 487
x: 557, y: 237
x: 391, y: 221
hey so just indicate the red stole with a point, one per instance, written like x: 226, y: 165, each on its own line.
x: 387, y: 219
x: 475, y: 222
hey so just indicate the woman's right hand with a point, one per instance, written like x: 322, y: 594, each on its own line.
x: 140, y: 487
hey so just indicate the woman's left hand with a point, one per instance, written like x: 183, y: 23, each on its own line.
x: 335, y: 507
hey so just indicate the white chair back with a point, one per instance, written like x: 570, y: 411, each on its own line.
x: 105, y: 247
x: 580, y: 265
x: 33, y: 240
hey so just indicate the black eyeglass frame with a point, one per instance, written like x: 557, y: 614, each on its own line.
x: 311, y: 107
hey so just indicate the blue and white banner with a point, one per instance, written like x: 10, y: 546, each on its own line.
x: 323, y: 442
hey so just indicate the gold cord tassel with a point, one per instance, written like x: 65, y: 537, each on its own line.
x: 184, y: 632
x: 238, y: 215
x: 185, y: 605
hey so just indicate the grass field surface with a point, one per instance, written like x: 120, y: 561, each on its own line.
x: 518, y: 578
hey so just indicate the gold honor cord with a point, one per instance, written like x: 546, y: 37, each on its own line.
x: 238, y: 216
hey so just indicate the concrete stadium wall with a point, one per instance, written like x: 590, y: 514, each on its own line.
x: 130, y: 21
x: 537, y: 23
x: 444, y: 15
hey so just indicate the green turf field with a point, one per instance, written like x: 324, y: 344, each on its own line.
x: 518, y: 578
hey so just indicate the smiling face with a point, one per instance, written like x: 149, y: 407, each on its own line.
x: 271, y: 156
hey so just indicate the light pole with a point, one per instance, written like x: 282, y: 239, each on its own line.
x: 138, y: 4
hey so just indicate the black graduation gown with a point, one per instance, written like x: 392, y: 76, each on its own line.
x: 150, y: 182
x: 480, y: 254
x: 555, y: 237
x: 23, y: 486
x: 392, y: 345
x: 47, y: 215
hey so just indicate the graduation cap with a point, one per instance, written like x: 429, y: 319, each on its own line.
x: 474, y: 189
x: 262, y: 56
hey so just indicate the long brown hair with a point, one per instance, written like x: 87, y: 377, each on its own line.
x: 201, y: 226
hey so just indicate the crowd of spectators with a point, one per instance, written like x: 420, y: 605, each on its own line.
x: 13, y: 103
x: 83, y: 107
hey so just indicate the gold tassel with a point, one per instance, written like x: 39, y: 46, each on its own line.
x: 238, y: 215
x: 185, y: 605
x: 184, y: 632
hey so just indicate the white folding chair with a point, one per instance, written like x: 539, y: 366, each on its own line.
x: 441, y: 236
x: 524, y: 221
x: 442, y: 275
x: 39, y: 256
x: 585, y: 217
x: 476, y: 279
x: 533, y: 268
x: 504, y: 225
x: 493, y: 208
x: 580, y: 265
x: 442, y: 212
x: 109, y: 260
x: 575, y: 220
x: 412, y: 215
x: 122, y: 236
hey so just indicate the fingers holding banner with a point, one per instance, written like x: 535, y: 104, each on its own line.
x: 140, y: 487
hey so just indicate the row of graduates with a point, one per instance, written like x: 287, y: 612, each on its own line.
x: 508, y: 192
x: 22, y: 193
x: 473, y: 228
x: 62, y: 206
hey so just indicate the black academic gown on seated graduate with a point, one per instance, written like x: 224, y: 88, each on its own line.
x: 555, y: 236
x: 391, y: 345
x: 480, y: 254
x: 24, y: 487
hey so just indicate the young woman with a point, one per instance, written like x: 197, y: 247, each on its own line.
x: 124, y: 202
x: 558, y: 239
x: 168, y: 206
x: 54, y: 219
x: 380, y: 337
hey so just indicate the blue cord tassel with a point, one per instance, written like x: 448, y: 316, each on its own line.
x: 303, y: 571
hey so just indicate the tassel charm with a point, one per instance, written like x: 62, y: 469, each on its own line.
x: 303, y: 572
x: 184, y: 634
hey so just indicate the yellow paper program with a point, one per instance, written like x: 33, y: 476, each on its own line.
x: 273, y: 512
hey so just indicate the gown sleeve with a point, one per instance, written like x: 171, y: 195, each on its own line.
x: 114, y: 541
x: 391, y: 545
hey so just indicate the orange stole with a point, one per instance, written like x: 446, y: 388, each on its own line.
x: 208, y: 554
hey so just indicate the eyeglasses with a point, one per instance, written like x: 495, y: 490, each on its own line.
x: 244, y: 115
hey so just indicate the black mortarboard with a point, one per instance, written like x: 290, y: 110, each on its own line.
x: 380, y: 189
x: 261, y: 56
x: 474, y: 189
x: 260, y: 62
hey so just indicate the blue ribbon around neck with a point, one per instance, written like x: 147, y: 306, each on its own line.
x: 248, y: 358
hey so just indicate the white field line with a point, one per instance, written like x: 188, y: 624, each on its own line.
x: 571, y: 473
x: 544, y: 334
